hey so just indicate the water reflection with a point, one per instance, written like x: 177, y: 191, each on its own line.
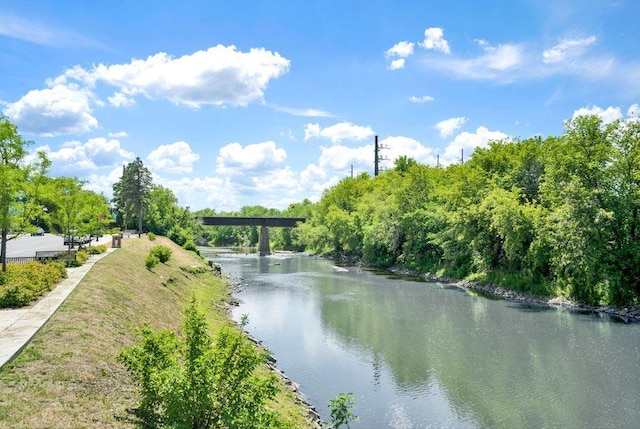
x: 419, y: 354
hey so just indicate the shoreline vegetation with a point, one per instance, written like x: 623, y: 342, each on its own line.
x: 628, y: 314
x: 69, y: 373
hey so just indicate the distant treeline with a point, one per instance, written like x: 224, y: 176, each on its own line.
x: 555, y: 216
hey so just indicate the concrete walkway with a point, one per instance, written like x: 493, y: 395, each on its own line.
x: 18, y: 326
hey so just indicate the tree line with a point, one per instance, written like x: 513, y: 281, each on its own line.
x: 554, y: 216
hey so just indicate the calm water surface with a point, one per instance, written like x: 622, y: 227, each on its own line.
x: 427, y: 355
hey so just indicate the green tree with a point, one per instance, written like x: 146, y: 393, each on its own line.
x: 14, y: 215
x: 131, y: 194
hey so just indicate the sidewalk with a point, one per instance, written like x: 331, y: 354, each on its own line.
x: 18, y: 326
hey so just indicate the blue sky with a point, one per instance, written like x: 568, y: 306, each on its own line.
x: 270, y: 102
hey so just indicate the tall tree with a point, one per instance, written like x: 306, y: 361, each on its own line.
x: 131, y: 194
x: 13, y: 175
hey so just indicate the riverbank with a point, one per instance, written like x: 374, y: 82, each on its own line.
x: 69, y: 373
x: 629, y: 314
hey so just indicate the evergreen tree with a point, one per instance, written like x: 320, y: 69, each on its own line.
x: 131, y: 194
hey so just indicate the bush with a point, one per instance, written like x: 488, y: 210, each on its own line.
x: 152, y: 236
x: 151, y: 262
x: 96, y: 250
x: 23, y: 283
x: 163, y: 253
x: 191, y: 245
x: 192, y: 382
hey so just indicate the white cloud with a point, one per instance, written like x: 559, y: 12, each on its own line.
x: 468, y: 142
x: 338, y: 132
x: 62, y: 109
x: 567, y: 48
x: 434, y: 39
x: 421, y: 99
x: 400, y: 49
x: 75, y: 158
x: 496, y: 62
x: 219, y: 76
x: 313, y: 113
x: 397, y: 64
x: 175, y: 158
x: 398, y: 146
x: 607, y: 115
x: 449, y: 126
x: 118, y: 135
x: 119, y: 99
x: 633, y: 111
x: 234, y: 159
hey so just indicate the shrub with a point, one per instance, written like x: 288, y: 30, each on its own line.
x: 151, y: 262
x: 193, y: 382
x: 152, y: 236
x: 191, y: 245
x: 163, y: 253
x: 96, y: 250
x: 23, y: 283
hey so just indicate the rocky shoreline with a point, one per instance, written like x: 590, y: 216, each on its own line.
x: 237, y: 285
x: 628, y: 314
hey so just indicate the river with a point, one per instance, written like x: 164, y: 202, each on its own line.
x: 427, y: 355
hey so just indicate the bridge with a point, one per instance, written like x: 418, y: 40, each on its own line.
x: 262, y: 222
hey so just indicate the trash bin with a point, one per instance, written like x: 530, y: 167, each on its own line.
x: 116, y: 241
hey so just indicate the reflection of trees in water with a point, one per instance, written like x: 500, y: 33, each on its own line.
x: 494, y: 362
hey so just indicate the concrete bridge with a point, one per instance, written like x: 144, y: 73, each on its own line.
x: 262, y: 222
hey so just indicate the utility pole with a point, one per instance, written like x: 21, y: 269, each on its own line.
x: 438, y: 161
x: 462, y: 156
x: 378, y: 158
x: 376, y: 162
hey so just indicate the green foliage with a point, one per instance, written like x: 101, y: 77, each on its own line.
x: 151, y: 236
x: 151, y: 262
x: 162, y: 253
x: 198, y: 382
x: 341, y: 407
x: 560, y: 214
x: 24, y: 283
x: 132, y: 193
x: 96, y: 250
x: 191, y: 246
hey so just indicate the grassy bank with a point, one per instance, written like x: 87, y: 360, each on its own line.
x: 68, y: 375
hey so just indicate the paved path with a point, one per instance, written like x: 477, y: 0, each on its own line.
x: 18, y: 326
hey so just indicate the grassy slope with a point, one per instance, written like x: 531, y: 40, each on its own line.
x: 68, y: 375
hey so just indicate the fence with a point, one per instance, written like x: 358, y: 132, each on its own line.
x: 43, y: 256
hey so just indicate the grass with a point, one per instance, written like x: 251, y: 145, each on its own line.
x: 68, y: 376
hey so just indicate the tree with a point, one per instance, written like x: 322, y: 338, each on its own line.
x: 131, y: 194
x: 13, y: 175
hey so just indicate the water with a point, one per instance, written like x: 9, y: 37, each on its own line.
x: 427, y: 355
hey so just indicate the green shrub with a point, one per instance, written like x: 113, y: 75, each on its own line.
x: 191, y: 245
x: 23, y: 283
x: 193, y: 382
x: 151, y: 262
x: 152, y: 236
x: 163, y: 253
x: 96, y: 250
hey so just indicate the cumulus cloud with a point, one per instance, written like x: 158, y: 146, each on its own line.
x: 400, y: 49
x: 398, y: 146
x: 312, y: 113
x: 468, y: 142
x: 175, y: 158
x: 607, y: 115
x: 449, y: 126
x: 338, y: 132
x: 253, y: 158
x: 77, y: 158
x: 567, y: 48
x: 397, y: 64
x: 421, y: 99
x: 633, y: 111
x: 434, y: 39
x: 119, y: 99
x: 61, y: 109
x: 219, y: 76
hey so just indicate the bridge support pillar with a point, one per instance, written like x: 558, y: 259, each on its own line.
x: 263, y: 241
